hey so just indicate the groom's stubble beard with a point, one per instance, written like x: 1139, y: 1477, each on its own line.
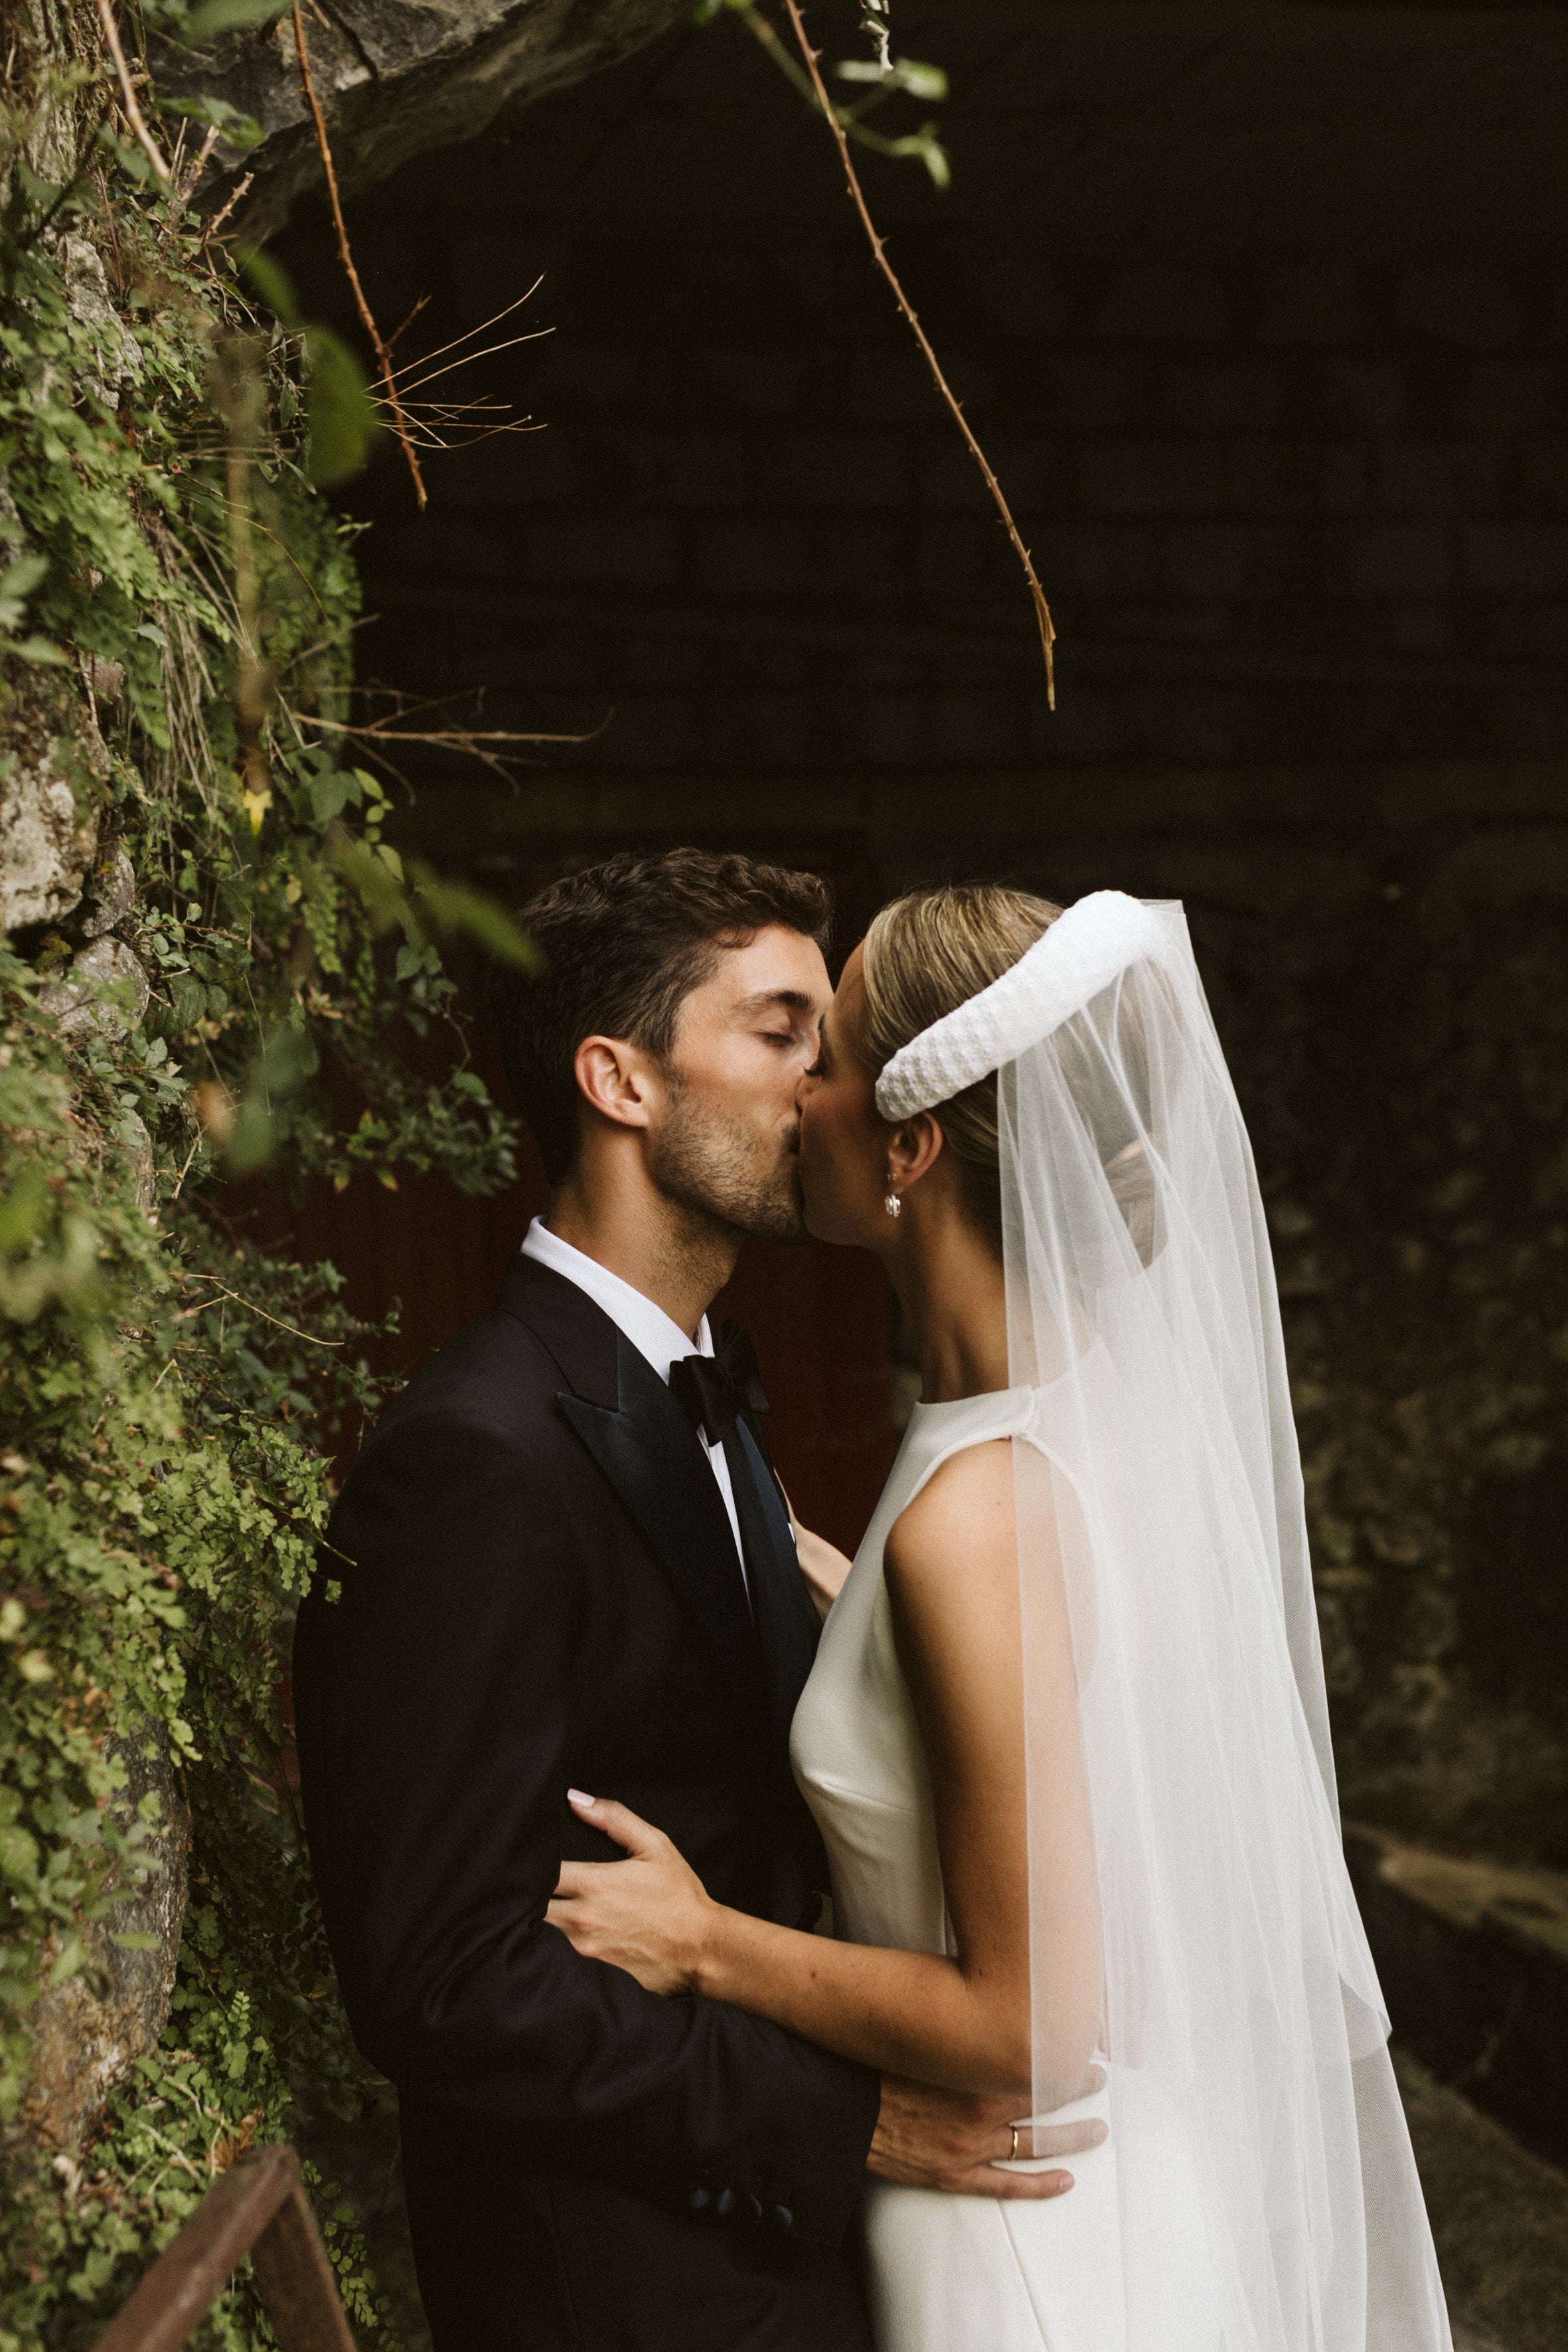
x: 717, y: 1169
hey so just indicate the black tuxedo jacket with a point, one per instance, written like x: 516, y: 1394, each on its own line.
x: 531, y: 1584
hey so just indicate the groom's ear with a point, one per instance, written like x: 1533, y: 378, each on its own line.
x: 618, y: 1080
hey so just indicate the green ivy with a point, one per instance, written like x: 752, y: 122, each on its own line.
x: 167, y: 1392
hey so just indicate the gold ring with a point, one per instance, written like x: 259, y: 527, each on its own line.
x: 1013, y: 2158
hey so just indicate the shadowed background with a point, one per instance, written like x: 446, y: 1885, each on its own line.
x: 1261, y: 313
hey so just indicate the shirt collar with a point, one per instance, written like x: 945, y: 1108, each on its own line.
x: 654, y: 1334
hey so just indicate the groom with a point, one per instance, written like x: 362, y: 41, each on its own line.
x: 562, y: 1561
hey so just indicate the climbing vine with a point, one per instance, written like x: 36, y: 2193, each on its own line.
x: 221, y: 968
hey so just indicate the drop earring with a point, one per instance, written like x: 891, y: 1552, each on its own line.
x: 892, y: 1203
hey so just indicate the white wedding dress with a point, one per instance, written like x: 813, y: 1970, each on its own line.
x: 956, y: 2274
x: 1257, y: 2191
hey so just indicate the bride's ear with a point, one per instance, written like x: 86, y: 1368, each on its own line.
x: 914, y: 1146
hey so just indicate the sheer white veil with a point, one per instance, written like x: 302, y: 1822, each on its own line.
x: 1267, y: 2194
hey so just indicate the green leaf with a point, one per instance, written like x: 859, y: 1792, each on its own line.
x: 272, y: 281
x: 929, y: 82
x: 239, y: 130
x: 34, y: 649
x: 227, y: 15
x: 252, y: 1140
x: 456, y: 907
x: 342, y: 416
x: 925, y: 145
x: 22, y: 1209
x: 329, y: 793
x: 18, y: 583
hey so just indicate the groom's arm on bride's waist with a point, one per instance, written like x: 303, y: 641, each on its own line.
x: 433, y: 1700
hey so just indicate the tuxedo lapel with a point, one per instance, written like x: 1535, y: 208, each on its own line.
x: 648, y: 1450
x: 787, y: 1622
x: 581, y: 1337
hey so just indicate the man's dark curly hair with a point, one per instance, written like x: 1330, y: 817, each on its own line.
x: 622, y: 945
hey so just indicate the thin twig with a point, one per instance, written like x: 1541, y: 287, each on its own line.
x: 468, y: 332
x: 398, y: 332
x: 133, y: 114
x: 438, y: 424
x: 534, y: 335
x: 180, y: 1180
x: 454, y: 737
x: 239, y: 396
x: 199, y: 164
x: 223, y: 211
x: 1042, y: 610
x: 251, y: 1308
x: 399, y: 422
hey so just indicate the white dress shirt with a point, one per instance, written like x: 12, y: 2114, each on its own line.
x: 651, y: 1331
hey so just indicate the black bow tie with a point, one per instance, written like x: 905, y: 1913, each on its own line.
x: 716, y: 1390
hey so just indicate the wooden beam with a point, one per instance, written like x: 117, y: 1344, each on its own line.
x: 258, y: 2207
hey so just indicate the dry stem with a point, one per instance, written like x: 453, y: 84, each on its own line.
x: 239, y: 398
x: 227, y: 206
x: 399, y: 422
x: 458, y: 737
x: 199, y: 163
x: 1042, y: 610
x: 467, y: 741
x: 133, y: 114
x: 251, y: 1308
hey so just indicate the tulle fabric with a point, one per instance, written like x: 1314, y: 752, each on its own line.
x: 1267, y: 2194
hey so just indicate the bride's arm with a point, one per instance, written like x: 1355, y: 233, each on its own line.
x: 964, y: 2021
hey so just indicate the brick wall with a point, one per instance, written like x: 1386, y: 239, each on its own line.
x: 1302, y: 507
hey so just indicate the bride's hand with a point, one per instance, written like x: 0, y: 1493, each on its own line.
x: 823, y: 1566
x: 649, y: 1914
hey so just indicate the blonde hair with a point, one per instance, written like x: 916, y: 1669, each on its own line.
x: 930, y: 952
x: 926, y: 954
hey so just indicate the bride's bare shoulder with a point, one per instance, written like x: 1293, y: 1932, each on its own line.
x: 963, y: 1513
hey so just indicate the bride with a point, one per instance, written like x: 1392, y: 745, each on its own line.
x: 1066, y: 1736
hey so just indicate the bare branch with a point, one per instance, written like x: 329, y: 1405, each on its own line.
x: 535, y: 334
x: 469, y: 333
x: 133, y: 114
x: 1042, y: 610
x: 389, y: 373
x: 453, y: 738
x: 223, y: 211
x: 398, y: 332
x: 250, y: 1308
x: 198, y: 164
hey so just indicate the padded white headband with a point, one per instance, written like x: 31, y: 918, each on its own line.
x: 1081, y: 953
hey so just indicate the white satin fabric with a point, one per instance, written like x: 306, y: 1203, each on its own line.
x: 959, y: 2273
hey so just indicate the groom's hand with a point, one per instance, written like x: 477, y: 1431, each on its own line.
x: 927, y: 2138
